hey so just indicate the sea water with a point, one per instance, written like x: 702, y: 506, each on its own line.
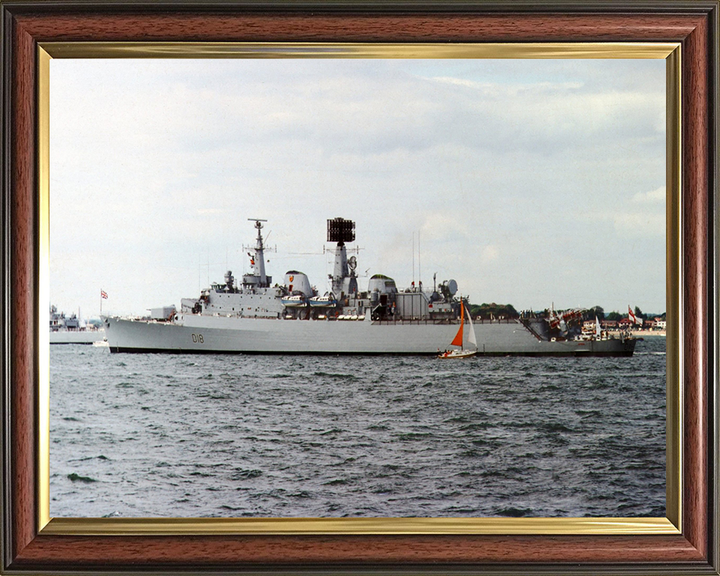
x: 153, y: 435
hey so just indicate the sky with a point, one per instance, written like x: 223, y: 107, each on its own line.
x: 529, y: 182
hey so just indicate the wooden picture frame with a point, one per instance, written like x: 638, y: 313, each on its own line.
x: 29, y: 547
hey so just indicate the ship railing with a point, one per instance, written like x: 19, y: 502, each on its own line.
x: 419, y: 321
x: 441, y: 321
x: 495, y: 321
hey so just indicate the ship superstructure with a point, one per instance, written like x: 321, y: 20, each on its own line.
x: 70, y: 329
x: 256, y: 315
x: 297, y: 299
x: 254, y: 297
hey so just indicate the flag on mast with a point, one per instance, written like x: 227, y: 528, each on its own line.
x: 632, y: 316
x: 103, y: 296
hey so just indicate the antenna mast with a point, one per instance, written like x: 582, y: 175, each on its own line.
x: 259, y: 265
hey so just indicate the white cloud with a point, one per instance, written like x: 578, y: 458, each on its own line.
x: 501, y: 90
x: 640, y: 224
x: 489, y: 254
x: 172, y: 158
x: 656, y: 196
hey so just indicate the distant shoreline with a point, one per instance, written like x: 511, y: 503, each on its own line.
x: 643, y: 332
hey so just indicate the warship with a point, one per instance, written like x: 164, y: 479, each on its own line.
x: 292, y: 317
x: 69, y: 329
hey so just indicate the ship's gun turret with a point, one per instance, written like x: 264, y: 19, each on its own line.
x: 229, y: 281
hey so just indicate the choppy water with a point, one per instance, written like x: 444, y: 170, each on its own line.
x: 230, y: 436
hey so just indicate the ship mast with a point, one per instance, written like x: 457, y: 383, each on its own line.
x: 259, y: 261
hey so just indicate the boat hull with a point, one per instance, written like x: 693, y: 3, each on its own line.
x: 77, y: 336
x: 230, y: 335
x: 458, y: 355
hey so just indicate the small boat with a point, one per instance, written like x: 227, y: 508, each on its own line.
x: 326, y: 301
x: 297, y: 301
x: 459, y: 339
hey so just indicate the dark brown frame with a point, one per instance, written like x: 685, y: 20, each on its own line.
x: 692, y: 23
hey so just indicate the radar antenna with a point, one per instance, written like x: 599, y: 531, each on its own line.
x: 257, y: 222
x: 341, y: 230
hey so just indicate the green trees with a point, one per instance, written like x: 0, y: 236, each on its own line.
x: 595, y: 311
x: 493, y: 310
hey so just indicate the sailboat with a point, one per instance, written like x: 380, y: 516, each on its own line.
x: 459, y: 338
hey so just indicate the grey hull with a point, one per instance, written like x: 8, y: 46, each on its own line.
x: 76, y: 336
x: 212, y: 334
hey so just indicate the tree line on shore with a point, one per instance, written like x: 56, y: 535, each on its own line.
x: 487, y: 311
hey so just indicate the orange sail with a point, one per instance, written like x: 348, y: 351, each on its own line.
x: 458, y: 340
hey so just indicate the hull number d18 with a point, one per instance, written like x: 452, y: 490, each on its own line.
x: 197, y: 338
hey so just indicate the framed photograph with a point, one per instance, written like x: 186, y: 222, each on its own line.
x: 391, y: 118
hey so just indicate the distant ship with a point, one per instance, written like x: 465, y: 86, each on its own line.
x: 71, y: 330
x: 257, y: 316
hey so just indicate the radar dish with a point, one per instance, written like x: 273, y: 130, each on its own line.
x: 452, y: 287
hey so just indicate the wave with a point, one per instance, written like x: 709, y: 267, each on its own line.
x: 513, y: 512
x: 77, y: 478
x: 555, y: 427
x: 86, y: 458
x: 336, y: 376
x: 378, y: 427
x: 336, y: 482
x: 361, y: 436
x: 242, y: 474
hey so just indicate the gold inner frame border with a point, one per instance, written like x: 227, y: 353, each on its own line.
x: 671, y: 524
